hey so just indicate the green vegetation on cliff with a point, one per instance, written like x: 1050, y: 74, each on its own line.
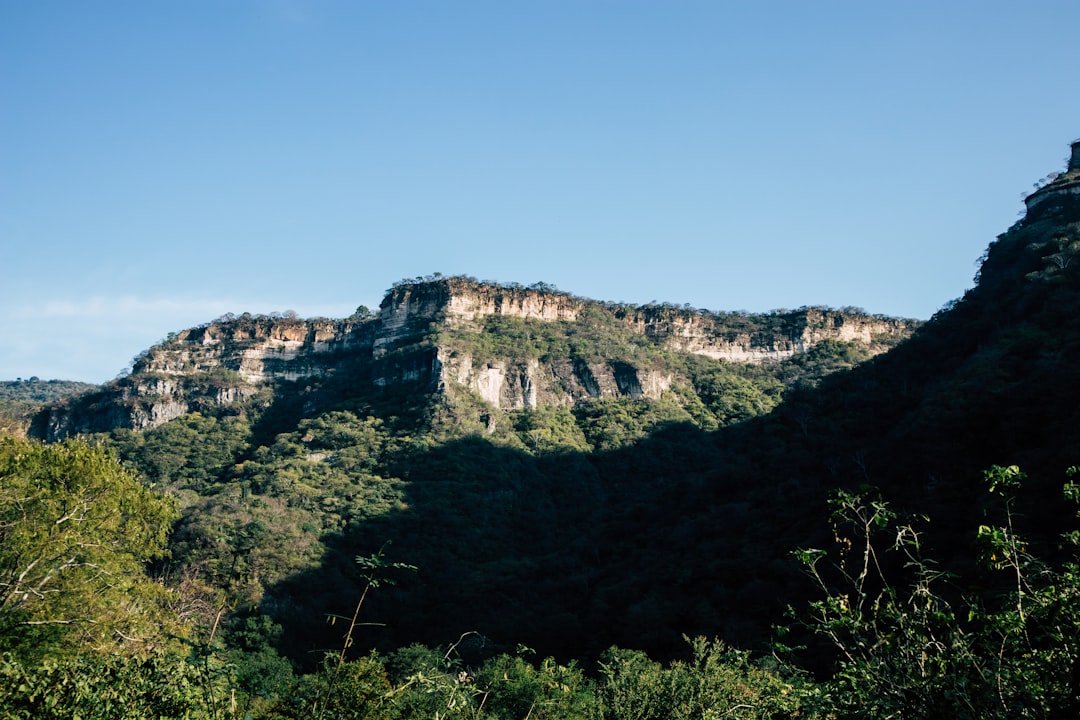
x: 872, y: 508
x: 21, y: 399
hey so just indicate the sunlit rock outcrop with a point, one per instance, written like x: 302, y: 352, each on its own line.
x: 421, y: 337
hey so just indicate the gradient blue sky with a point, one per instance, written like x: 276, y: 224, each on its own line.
x: 165, y: 162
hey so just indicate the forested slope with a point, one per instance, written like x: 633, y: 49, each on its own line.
x: 21, y: 400
x: 930, y: 477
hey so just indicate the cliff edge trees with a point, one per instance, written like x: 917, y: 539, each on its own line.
x: 509, y: 346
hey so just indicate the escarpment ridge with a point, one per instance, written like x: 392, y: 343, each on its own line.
x: 451, y: 334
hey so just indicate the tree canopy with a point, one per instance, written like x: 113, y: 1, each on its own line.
x: 76, y: 533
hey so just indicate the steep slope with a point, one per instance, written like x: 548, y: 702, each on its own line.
x: 994, y: 379
x: 689, y: 532
x: 467, y: 423
x: 454, y: 333
x: 568, y: 474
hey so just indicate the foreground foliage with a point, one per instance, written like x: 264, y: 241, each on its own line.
x: 909, y: 643
x: 93, y: 686
x: 76, y: 532
x: 909, y: 638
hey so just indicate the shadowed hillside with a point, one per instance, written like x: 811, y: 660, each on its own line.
x: 495, y: 471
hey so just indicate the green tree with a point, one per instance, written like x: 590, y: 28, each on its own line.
x: 116, y: 687
x: 76, y: 533
x: 716, y: 682
x: 901, y: 651
x: 633, y: 686
x: 1031, y: 631
x: 909, y: 645
x: 511, y: 687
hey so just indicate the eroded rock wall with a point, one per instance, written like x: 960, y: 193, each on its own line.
x: 759, y: 339
x: 227, y: 361
x: 258, y: 350
x: 515, y: 384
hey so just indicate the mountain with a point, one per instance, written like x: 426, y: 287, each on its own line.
x: 569, y: 474
x: 424, y: 497
x: 295, y: 445
x: 511, y: 347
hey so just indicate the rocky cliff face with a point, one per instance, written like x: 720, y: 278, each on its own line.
x: 229, y: 361
x: 1063, y: 187
x: 741, y: 339
x: 410, y: 309
x: 256, y: 349
x: 214, y: 366
x: 516, y: 384
x: 512, y: 382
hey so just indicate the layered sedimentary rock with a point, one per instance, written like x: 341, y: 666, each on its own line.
x: 749, y: 339
x: 228, y: 361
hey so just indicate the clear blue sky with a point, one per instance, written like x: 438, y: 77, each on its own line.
x: 162, y: 163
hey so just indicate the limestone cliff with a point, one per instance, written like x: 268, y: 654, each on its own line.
x: 213, y: 366
x: 515, y: 378
x: 552, y: 348
x: 516, y: 383
x: 257, y: 349
x: 755, y: 339
x: 410, y: 308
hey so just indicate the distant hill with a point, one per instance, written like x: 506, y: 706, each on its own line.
x: 21, y: 399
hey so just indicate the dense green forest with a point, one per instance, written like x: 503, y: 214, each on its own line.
x: 20, y: 399
x: 88, y: 631
x: 831, y: 535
